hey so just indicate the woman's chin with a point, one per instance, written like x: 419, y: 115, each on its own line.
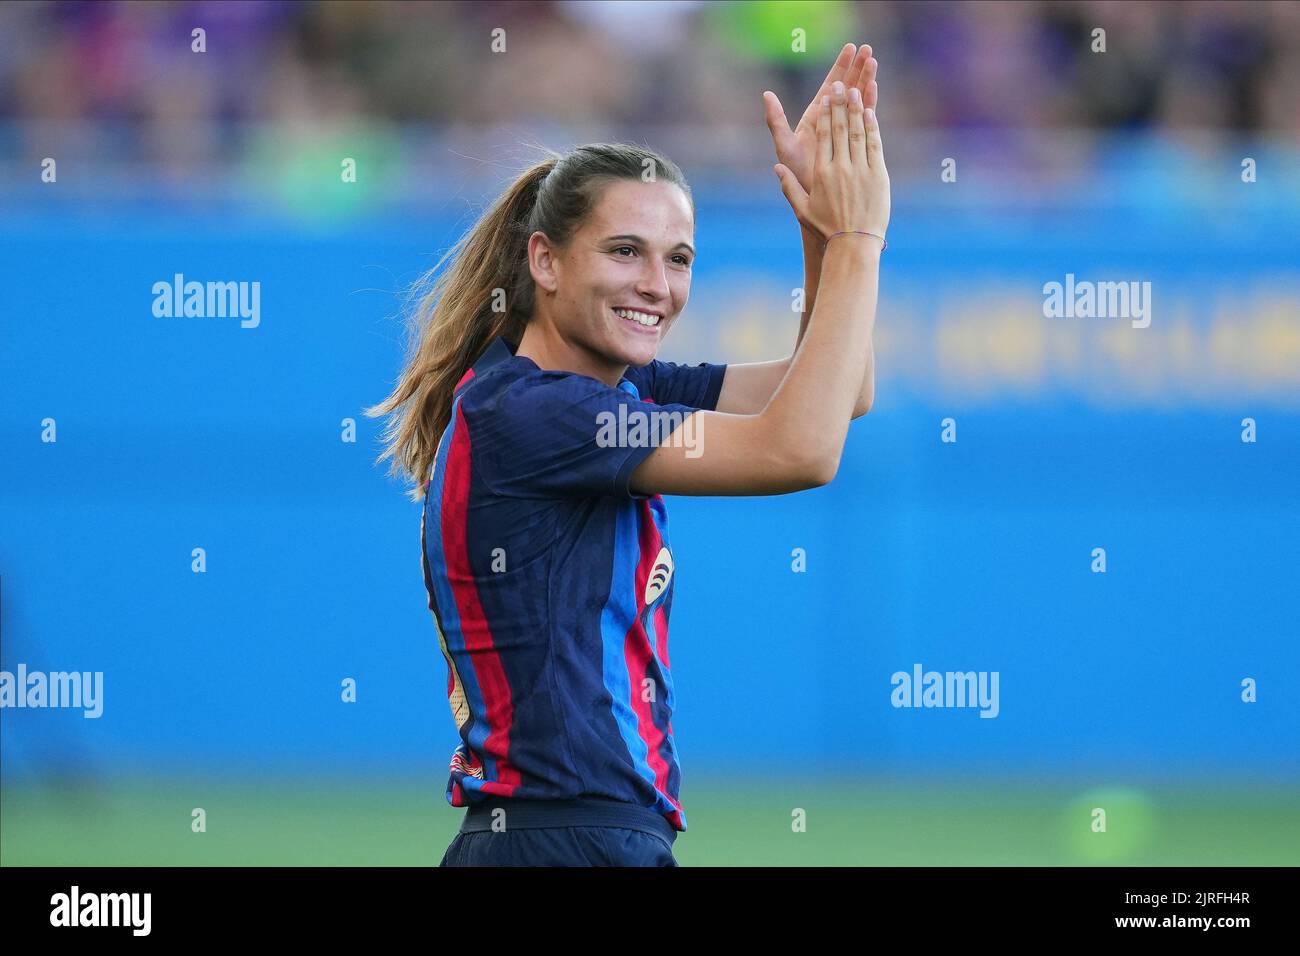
x: 641, y: 354
x: 638, y: 349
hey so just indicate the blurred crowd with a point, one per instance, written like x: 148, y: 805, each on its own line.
x: 129, y: 70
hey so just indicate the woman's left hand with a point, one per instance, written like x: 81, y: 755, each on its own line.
x: 797, y: 148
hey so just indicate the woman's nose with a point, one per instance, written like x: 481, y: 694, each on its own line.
x: 653, y: 280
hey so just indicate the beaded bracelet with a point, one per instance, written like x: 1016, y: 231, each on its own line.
x: 883, y: 244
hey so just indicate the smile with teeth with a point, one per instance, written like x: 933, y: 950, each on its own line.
x: 641, y: 318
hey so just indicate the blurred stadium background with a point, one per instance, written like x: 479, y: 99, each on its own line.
x: 222, y: 690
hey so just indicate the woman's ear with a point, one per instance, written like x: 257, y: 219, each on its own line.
x: 542, y: 262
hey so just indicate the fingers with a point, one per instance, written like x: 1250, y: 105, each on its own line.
x: 862, y: 74
x: 857, y: 128
x: 875, y: 149
x: 774, y: 114
x: 839, y: 123
x: 824, y: 151
x: 856, y: 74
x: 839, y: 71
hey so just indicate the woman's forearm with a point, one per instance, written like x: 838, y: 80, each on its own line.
x: 812, y: 269
x: 812, y: 273
x: 810, y: 411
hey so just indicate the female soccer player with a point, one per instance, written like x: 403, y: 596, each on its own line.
x: 542, y: 431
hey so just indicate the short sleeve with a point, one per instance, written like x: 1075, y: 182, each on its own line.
x: 555, y: 435
x: 669, y: 383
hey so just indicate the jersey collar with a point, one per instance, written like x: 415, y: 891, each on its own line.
x: 500, y: 351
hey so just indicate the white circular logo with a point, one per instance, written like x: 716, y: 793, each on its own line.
x: 660, y: 575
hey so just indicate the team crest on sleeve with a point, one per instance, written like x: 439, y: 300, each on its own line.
x: 660, y: 575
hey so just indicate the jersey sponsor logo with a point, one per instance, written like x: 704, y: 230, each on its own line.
x: 660, y: 575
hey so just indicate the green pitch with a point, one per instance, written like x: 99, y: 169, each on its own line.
x: 746, y: 821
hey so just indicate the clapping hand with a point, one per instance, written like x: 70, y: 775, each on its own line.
x: 796, y: 149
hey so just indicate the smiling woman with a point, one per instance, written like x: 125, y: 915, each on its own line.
x: 521, y: 416
x: 608, y: 296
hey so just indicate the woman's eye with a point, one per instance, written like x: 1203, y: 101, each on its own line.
x: 678, y: 258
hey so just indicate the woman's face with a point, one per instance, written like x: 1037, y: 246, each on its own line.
x: 634, y: 252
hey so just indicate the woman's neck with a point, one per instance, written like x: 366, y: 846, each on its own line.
x: 548, y: 349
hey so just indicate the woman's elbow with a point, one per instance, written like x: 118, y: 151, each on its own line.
x: 815, y: 469
x: 828, y: 469
x: 804, y: 458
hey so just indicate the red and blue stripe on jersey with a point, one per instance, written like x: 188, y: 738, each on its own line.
x: 551, y: 586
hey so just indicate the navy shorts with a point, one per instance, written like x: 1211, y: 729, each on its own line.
x: 585, y: 832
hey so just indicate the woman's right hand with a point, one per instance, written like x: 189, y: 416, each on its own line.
x: 850, y: 188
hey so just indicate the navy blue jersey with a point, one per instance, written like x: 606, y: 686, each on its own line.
x: 551, y: 582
